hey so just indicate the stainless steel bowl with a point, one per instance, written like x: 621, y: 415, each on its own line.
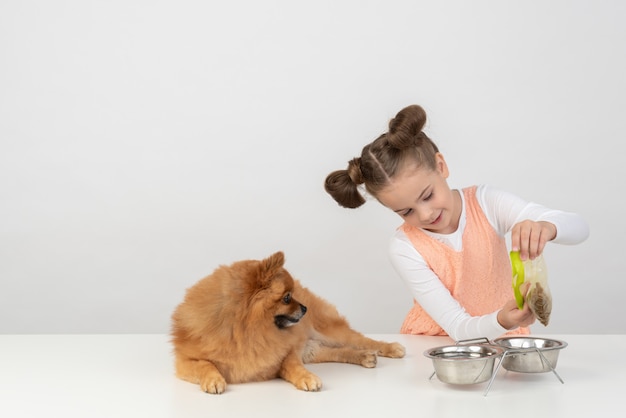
x: 464, y: 364
x: 526, y: 354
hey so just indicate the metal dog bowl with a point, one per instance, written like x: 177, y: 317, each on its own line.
x: 530, y: 354
x: 464, y: 364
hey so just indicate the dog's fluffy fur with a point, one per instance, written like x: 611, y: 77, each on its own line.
x: 251, y: 321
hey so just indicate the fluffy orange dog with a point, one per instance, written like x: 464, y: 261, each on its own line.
x: 252, y: 321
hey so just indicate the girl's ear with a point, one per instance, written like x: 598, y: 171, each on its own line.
x: 442, y: 166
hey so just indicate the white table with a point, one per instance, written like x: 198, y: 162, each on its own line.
x: 91, y: 376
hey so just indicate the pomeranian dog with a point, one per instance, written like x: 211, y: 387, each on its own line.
x: 252, y: 321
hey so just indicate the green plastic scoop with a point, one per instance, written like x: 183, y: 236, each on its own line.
x: 518, y: 277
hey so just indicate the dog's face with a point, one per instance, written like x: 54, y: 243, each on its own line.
x: 288, y: 311
x: 273, y: 292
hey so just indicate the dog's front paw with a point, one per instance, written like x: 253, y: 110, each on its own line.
x: 213, y: 384
x: 368, y: 359
x: 309, y: 383
x: 393, y: 350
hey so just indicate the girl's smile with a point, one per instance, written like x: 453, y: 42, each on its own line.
x: 436, y: 221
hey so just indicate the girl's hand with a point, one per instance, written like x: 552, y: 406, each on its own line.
x: 510, y: 316
x: 530, y: 237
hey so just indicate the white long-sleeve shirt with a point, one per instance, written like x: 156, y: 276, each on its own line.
x: 503, y: 210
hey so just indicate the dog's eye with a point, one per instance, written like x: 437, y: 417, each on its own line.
x: 287, y: 299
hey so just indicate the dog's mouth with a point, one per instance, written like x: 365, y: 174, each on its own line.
x: 285, y: 321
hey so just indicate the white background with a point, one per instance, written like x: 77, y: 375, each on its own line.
x: 144, y: 143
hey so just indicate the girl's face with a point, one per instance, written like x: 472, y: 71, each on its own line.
x: 422, y: 198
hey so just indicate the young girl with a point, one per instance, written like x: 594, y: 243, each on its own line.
x: 450, y: 250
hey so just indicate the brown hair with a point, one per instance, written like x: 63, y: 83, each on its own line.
x: 382, y: 159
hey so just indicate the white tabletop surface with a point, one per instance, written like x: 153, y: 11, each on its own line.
x: 132, y: 376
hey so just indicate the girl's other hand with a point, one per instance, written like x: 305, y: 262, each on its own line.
x: 511, y: 317
x: 530, y: 238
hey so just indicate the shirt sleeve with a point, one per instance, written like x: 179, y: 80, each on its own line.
x: 434, y: 297
x: 503, y: 210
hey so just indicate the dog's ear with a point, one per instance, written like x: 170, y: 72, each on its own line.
x: 269, y: 267
x: 273, y: 262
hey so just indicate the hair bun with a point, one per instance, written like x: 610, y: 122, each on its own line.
x: 406, y: 126
x: 342, y: 185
